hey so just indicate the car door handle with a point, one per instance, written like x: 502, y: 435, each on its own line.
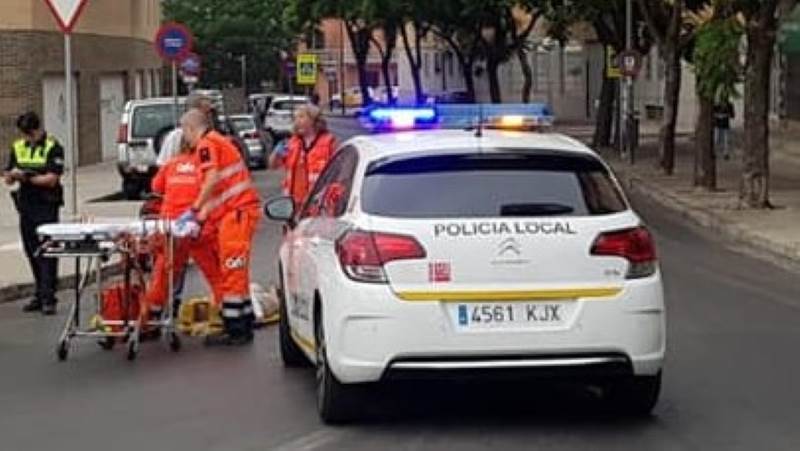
x: 315, y: 241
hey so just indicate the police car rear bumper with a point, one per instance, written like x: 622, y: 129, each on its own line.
x: 373, y: 335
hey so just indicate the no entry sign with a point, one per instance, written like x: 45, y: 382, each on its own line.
x: 173, y: 41
x: 66, y: 12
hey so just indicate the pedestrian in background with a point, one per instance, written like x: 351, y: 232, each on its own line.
x: 723, y: 113
x: 307, y: 153
x: 37, y: 163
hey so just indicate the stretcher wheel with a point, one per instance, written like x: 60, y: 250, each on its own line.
x: 174, y: 342
x: 63, y: 350
x: 133, y: 350
x: 107, y: 343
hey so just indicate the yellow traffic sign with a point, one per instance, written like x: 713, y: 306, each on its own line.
x: 612, y: 63
x: 306, y: 69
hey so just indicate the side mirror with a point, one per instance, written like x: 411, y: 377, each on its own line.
x: 280, y: 209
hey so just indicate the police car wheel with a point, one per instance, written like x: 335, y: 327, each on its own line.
x: 635, y: 396
x: 336, y: 402
x: 291, y: 354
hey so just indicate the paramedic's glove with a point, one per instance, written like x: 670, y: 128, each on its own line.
x: 188, y: 228
x: 187, y: 216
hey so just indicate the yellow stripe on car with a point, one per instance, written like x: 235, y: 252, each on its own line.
x: 515, y: 295
x: 304, y: 343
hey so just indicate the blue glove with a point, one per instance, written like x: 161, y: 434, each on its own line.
x: 187, y: 229
x: 186, y: 217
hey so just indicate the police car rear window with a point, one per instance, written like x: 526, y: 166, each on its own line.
x: 492, y: 184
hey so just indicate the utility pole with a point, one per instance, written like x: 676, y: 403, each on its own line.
x: 243, y: 59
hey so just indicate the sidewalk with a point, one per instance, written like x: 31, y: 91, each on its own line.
x: 94, y: 182
x: 771, y: 234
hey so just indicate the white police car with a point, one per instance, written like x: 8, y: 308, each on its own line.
x: 466, y: 252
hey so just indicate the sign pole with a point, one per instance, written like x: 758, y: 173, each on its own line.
x: 175, y: 92
x: 70, y: 144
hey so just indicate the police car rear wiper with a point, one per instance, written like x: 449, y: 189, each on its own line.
x: 535, y: 209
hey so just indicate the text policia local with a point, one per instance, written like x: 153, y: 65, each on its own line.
x: 466, y: 229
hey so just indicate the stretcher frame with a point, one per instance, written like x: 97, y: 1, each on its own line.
x: 96, y: 246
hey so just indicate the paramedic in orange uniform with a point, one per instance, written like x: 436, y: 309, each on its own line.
x: 228, y: 207
x: 309, y: 150
x: 178, y: 182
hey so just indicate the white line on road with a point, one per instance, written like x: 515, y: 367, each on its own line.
x: 310, y: 442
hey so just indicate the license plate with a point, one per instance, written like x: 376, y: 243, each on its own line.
x: 511, y: 315
x: 142, y: 168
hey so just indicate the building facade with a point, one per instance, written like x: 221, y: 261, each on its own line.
x: 113, y: 60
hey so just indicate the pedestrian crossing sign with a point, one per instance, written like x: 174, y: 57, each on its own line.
x: 306, y: 69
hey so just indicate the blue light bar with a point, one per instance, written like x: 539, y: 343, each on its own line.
x: 400, y: 118
x: 470, y: 115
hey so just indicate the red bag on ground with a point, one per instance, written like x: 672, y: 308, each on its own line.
x: 114, y: 302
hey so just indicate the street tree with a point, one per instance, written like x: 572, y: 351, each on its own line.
x: 389, y: 16
x: 716, y: 62
x: 459, y: 23
x: 359, y: 24
x: 674, y: 34
x: 418, y: 16
x: 762, y: 20
x: 225, y: 30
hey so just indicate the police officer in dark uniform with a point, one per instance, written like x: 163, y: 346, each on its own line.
x: 36, y: 163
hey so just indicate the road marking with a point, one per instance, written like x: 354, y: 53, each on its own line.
x: 312, y: 441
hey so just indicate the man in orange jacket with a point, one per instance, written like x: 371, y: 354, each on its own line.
x: 178, y: 182
x: 228, y: 207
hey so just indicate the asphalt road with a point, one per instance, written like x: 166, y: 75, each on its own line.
x: 729, y: 384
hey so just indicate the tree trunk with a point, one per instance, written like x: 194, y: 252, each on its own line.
x: 754, y: 188
x: 605, y: 113
x: 492, y: 67
x: 672, y: 95
x: 469, y: 79
x: 359, y: 42
x: 413, y: 64
x: 705, y: 169
x: 391, y: 43
x: 527, y: 74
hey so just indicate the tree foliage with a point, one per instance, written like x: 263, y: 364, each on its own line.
x: 226, y: 29
x: 716, y: 59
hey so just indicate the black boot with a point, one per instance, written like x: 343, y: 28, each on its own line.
x: 34, y: 305
x: 49, y: 308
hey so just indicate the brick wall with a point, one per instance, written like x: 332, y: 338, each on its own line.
x: 27, y: 56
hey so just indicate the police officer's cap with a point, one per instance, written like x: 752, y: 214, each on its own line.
x: 29, y: 122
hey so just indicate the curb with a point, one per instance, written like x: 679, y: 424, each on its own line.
x: 754, y: 244
x: 19, y: 291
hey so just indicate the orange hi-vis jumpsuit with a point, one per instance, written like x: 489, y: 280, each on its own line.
x: 179, y: 182
x: 233, y: 215
x: 304, y: 164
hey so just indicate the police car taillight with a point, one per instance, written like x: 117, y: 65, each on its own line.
x: 363, y: 254
x: 636, y: 245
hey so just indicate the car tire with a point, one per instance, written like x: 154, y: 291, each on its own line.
x: 131, y: 188
x: 337, y: 403
x: 635, y: 396
x: 291, y: 354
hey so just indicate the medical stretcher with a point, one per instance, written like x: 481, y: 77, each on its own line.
x: 91, y: 244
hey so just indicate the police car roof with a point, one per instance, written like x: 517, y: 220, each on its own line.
x: 388, y: 144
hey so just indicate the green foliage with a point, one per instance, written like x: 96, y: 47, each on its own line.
x: 226, y: 29
x: 716, y: 59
